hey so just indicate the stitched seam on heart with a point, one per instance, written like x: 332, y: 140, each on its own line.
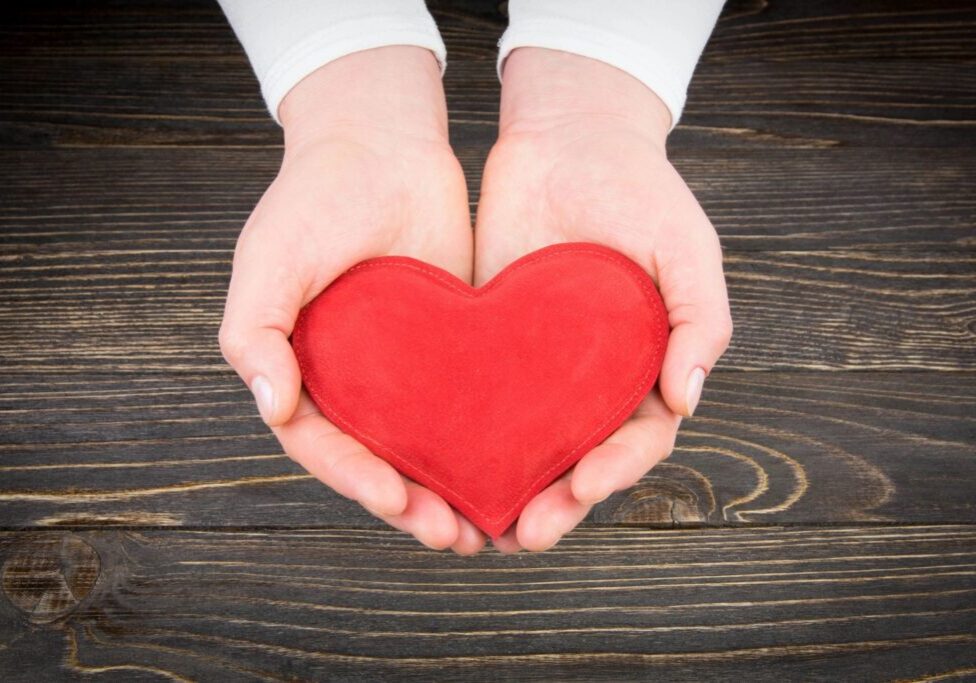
x: 636, y: 271
x: 406, y: 465
x: 609, y: 256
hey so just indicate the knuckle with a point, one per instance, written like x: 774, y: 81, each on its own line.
x: 662, y: 448
x: 723, y: 330
x: 337, y: 454
x: 333, y: 456
x: 669, y: 445
x: 233, y: 344
x: 646, y: 447
x: 659, y: 443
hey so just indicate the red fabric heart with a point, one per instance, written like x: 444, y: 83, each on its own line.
x: 484, y: 395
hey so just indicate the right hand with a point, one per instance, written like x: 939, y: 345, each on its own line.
x: 581, y: 157
x: 367, y: 171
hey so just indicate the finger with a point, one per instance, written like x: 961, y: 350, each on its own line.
x: 349, y: 468
x: 340, y: 462
x: 427, y: 517
x: 507, y: 543
x: 693, y: 288
x: 550, y: 515
x: 644, y: 440
x: 263, y: 301
x: 470, y: 540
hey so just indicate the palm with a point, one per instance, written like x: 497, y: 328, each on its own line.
x: 341, y: 201
x: 612, y: 188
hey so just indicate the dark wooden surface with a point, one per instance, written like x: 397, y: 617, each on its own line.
x: 755, y: 604
x: 817, y: 519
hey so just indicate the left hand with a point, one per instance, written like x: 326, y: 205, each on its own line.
x: 581, y: 157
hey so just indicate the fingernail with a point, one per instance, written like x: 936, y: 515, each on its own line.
x: 263, y: 396
x: 695, y: 382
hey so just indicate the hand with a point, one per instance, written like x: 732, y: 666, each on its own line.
x: 581, y: 157
x: 367, y: 171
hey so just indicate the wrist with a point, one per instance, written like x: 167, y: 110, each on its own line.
x: 392, y: 89
x: 543, y: 89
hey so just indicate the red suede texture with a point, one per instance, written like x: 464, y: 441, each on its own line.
x: 484, y: 395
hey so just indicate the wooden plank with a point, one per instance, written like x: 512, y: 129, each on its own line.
x: 174, y: 448
x: 774, y: 74
x: 159, y: 308
x: 826, y: 104
x: 896, y: 30
x: 851, y: 310
x: 831, y: 144
x: 759, y: 200
x: 605, y: 604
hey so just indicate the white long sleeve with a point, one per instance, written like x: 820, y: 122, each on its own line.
x: 656, y: 41
x: 287, y: 40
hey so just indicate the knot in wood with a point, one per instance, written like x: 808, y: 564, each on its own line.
x: 46, y: 576
x: 660, y: 501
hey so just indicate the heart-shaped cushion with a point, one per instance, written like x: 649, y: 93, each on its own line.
x: 484, y: 395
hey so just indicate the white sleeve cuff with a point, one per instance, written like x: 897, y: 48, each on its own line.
x: 658, y: 42
x: 286, y: 41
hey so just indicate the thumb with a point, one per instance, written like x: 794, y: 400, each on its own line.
x: 263, y: 302
x: 693, y: 289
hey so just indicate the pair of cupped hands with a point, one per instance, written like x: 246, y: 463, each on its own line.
x: 368, y: 171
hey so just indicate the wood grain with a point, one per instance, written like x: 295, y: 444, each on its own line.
x: 605, y: 604
x: 151, y: 309
x: 118, y: 248
x: 764, y: 448
x: 774, y: 75
x: 768, y: 200
x: 894, y: 30
x: 814, y: 522
x: 825, y: 104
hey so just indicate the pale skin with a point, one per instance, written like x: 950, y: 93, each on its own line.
x: 580, y: 157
